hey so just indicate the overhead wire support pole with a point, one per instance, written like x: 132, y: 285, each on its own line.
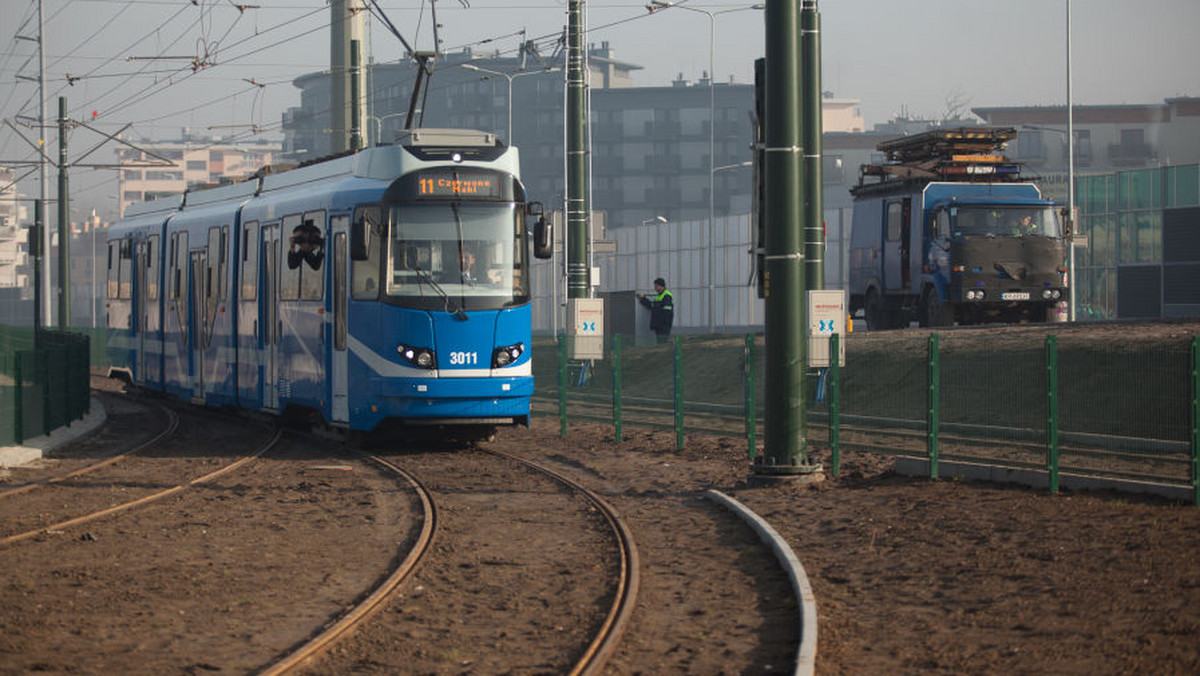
x: 44, y: 285
x: 784, y: 453
x: 814, y: 227
x: 1071, y: 281
x: 64, y: 221
x: 578, y: 282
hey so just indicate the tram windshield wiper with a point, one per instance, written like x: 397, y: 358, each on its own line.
x: 451, y: 306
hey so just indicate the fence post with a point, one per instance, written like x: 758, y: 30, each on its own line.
x: 679, y: 392
x: 750, y: 398
x: 19, y: 412
x: 562, y: 384
x: 44, y: 357
x: 933, y: 401
x: 835, y: 379
x: 1195, y: 406
x: 616, y: 385
x: 1052, y: 410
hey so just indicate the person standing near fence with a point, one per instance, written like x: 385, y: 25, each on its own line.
x: 662, y: 309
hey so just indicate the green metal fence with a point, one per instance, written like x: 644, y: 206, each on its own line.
x: 1021, y: 399
x: 44, y: 381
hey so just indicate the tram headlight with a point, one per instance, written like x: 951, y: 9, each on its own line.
x: 503, y: 356
x: 421, y: 357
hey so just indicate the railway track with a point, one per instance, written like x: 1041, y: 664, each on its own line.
x: 103, y: 494
x: 513, y: 535
x: 45, y: 479
x: 625, y: 594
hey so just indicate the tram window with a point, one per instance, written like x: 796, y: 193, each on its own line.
x: 213, y: 279
x: 179, y: 262
x: 311, y: 252
x: 289, y: 274
x: 250, y: 261
x: 365, y: 277
x: 125, y: 291
x: 223, y: 267
x: 152, y: 256
x: 114, y: 282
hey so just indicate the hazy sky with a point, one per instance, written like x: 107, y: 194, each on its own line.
x: 165, y: 64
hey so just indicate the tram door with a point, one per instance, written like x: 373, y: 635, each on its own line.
x: 269, y: 311
x: 337, y: 363
x: 140, y: 323
x: 201, y: 330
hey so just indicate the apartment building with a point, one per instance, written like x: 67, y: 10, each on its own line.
x: 157, y: 168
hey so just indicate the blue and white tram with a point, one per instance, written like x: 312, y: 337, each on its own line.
x: 386, y: 286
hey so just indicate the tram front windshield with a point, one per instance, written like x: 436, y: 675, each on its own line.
x: 457, y: 255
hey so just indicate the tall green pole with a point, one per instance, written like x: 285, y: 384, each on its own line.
x: 36, y: 249
x: 577, y: 167
x: 784, y: 449
x: 814, y: 226
x: 64, y: 221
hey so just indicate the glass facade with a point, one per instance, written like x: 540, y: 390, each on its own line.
x: 1121, y: 215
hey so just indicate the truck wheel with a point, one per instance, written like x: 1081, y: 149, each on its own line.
x: 933, y: 312
x: 876, y: 311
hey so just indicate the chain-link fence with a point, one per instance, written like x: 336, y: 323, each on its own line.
x: 1018, y: 399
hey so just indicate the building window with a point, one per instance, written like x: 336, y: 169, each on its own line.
x: 833, y: 170
x: 197, y: 165
x: 132, y: 175
x: 1031, y: 146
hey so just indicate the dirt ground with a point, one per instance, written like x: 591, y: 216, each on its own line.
x: 911, y: 576
x: 923, y: 576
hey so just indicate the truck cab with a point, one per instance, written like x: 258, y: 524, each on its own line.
x: 947, y: 232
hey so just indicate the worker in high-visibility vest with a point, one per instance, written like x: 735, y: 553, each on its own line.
x: 662, y: 309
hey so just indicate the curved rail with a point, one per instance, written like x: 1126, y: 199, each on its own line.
x: 625, y: 599
x: 172, y: 426
x: 373, y: 602
x: 145, y: 499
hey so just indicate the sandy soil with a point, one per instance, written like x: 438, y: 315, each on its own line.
x: 923, y: 576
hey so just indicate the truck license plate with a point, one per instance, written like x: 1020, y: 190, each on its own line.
x: 1014, y: 295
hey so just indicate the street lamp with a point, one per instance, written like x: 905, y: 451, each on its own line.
x: 379, y: 123
x: 510, y: 78
x: 654, y: 6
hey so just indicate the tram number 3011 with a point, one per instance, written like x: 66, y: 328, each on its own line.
x: 464, y: 358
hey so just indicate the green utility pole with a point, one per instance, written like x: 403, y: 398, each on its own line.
x: 784, y: 451
x: 810, y: 101
x: 356, y: 103
x: 64, y: 222
x: 578, y: 283
x: 35, y: 250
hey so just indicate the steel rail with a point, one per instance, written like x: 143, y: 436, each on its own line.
x: 145, y: 499
x: 172, y: 427
x: 608, y: 638
x: 354, y: 617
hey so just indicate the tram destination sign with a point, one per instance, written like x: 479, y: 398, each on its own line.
x: 458, y: 183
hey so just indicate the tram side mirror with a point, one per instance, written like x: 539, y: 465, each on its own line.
x: 360, y: 239
x: 543, y: 232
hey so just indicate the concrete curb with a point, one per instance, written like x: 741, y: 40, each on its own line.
x: 1039, y: 478
x: 37, y: 447
x: 806, y: 655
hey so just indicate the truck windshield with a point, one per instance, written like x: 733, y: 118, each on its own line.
x: 1004, y: 221
x: 457, y: 256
